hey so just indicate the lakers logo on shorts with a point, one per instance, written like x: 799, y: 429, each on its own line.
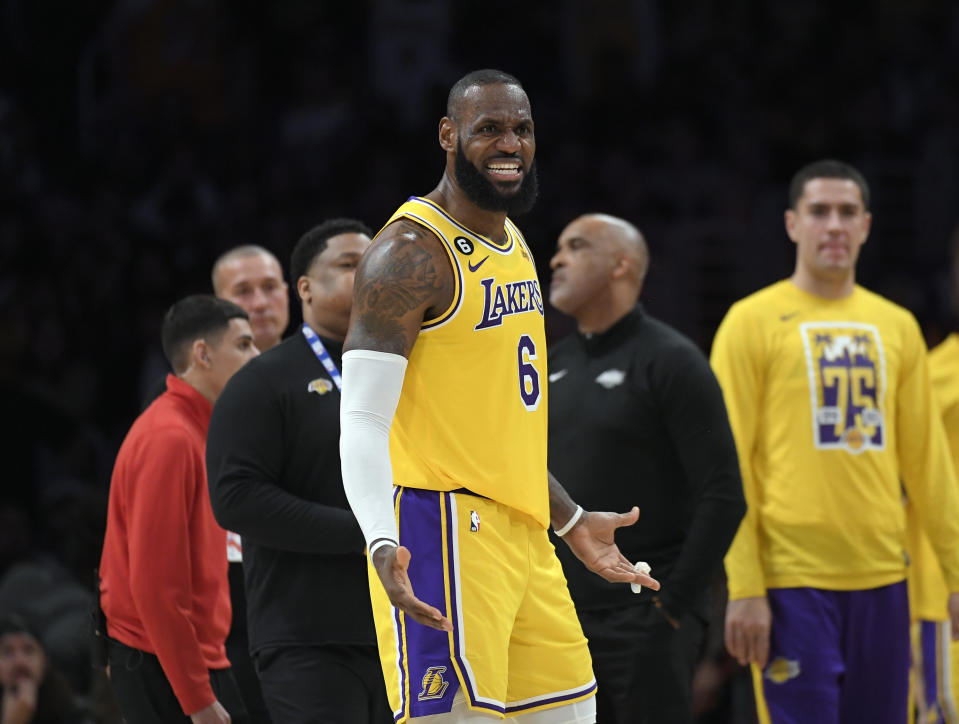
x: 434, y: 685
x: 320, y: 386
x: 782, y: 670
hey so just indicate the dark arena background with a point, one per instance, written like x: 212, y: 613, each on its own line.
x: 140, y: 138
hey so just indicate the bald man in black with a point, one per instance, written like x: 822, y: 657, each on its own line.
x: 637, y: 417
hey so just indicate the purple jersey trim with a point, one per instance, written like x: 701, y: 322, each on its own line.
x: 457, y: 303
x: 482, y: 239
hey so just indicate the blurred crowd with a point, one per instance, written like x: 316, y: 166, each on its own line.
x: 140, y: 138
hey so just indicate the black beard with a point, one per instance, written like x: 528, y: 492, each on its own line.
x: 481, y: 191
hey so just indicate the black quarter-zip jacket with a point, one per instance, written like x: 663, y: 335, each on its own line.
x: 273, y: 464
x: 636, y: 417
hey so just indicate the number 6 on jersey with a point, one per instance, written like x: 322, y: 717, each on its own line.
x: 528, y: 374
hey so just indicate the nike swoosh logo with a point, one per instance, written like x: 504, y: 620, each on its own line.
x: 553, y: 376
x: 787, y: 317
x: 478, y: 264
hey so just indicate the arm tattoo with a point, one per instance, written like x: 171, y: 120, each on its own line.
x: 397, y: 279
x: 406, y: 280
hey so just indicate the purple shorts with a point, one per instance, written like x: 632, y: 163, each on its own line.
x: 838, y: 657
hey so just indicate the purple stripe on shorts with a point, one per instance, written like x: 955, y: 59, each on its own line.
x: 552, y: 700
x: 929, y: 644
x: 454, y: 613
x: 450, y: 538
x: 433, y: 681
x: 398, y: 627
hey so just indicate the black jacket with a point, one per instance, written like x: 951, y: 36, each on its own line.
x: 273, y: 464
x: 636, y: 417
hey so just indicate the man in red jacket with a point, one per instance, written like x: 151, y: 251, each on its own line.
x: 163, y: 571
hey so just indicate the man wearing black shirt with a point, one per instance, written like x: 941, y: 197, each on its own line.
x: 274, y: 472
x: 251, y: 277
x: 637, y: 417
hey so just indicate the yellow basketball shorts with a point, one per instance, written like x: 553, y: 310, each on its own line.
x: 516, y: 644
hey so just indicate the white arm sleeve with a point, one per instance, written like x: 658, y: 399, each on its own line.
x: 372, y: 382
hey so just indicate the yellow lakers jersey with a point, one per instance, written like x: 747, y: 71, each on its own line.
x: 944, y: 372
x: 927, y: 588
x: 473, y: 410
x: 832, y: 410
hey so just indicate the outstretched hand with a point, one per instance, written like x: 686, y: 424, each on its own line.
x: 392, y: 565
x: 591, y: 540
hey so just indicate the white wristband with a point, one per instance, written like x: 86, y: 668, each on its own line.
x: 574, y: 518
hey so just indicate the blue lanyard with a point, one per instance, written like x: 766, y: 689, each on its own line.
x: 322, y: 355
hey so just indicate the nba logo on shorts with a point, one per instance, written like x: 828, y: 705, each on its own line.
x: 474, y: 521
x: 434, y: 685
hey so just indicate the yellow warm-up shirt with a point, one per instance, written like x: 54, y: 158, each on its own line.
x: 831, y: 406
x: 473, y: 409
x: 928, y: 592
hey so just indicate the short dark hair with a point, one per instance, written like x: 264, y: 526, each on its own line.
x: 313, y: 242
x: 14, y: 622
x: 199, y: 316
x: 487, y: 76
x: 826, y: 168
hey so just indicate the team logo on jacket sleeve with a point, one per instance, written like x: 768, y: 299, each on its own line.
x: 846, y: 366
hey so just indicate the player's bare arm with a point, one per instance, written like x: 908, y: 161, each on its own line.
x: 591, y: 538
x: 403, y: 278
